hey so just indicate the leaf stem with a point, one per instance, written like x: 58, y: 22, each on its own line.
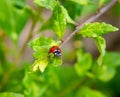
x: 91, y: 19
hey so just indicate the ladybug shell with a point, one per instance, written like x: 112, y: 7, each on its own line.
x: 55, y: 50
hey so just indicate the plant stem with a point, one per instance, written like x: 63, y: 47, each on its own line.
x: 30, y: 35
x: 91, y: 19
x: 71, y: 88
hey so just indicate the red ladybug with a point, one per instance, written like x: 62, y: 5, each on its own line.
x: 55, y: 50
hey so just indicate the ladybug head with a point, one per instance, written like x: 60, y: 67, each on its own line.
x: 55, y: 50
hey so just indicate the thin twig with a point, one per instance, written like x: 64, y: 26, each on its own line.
x: 30, y: 35
x: 91, y: 19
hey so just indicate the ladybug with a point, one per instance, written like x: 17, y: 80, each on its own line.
x: 55, y: 50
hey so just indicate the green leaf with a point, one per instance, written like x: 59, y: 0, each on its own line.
x: 40, y: 64
x: 34, y: 82
x: 10, y: 94
x: 60, y: 18
x: 87, y: 92
x: 41, y: 47
x: 83, y: 64
x: 68, y: 18
x: 43, y: 43
x: 49, y: 4
x: 96, y: 29
x: 73, y: 9
x: 54, y: 60
x: 18, y: 17
x: 59, y: 21
x: 101, y: 45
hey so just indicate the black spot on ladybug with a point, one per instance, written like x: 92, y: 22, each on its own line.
x: 57, y: 53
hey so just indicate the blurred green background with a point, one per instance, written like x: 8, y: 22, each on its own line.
x: 79, y: 76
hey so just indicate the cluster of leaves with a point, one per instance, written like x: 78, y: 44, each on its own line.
x: 60, y: 17
x: 79, y: 80
x: 41, y: 46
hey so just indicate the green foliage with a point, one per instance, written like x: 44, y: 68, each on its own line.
x: 59, y: 21
x: 7, y: 94
x: 95, y: 30
x: 87, y: 92
x: 13, y: 17
x: 49, y: 4
x: 79, y: 76
x: 74, y: 9
x: 101, y: 45
x: 81, y: 2
x: 41, y: 46
x: 84, y: 63
x: 108, y: 69
x: 60, y: 18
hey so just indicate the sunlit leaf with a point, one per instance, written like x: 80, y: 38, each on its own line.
x: 40, y: 64
x: 41, y: 46
x: 59, y: 21
x: 60, y: 18
x: 96, y: 29
x: 43, y: 43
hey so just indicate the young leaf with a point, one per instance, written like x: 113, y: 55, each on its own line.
x: 49, y: 4
x: 41, y: 47
x: 96, y: 29
x: 43, y: 43
x: 40, y: 64
x: 59, y: 21
x: 60, y: 18
x: 101, y: 45
x: 83, y: 64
